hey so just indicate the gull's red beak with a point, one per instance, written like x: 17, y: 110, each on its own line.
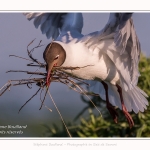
x: 48, y: 78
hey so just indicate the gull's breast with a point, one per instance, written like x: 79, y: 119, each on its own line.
x: 93, y: 64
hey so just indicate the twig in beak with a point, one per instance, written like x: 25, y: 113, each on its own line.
x: 44, y: 98
x: 43, y: 103
x: 59, y: 114
x: 85, y: 95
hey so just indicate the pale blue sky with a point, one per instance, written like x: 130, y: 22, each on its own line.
x: 15, y: 34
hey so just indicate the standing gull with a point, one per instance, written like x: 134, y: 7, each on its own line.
x: 111, y: 57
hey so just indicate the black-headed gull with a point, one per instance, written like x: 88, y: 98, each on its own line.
x: 111, y: 57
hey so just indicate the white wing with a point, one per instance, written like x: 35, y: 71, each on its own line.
x: 52, y: 24
x: 125, y: 50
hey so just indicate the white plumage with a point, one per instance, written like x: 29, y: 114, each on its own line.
x: 112, y: 54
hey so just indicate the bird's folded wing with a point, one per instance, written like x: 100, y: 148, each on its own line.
x: 52, y: 24
x: 126, y: 56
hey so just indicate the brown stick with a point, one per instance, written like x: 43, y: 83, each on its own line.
x: 29, y: 99
x: 8, y: 86
x: 21, y: 57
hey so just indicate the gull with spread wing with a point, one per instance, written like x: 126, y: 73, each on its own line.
x: 111, y: 57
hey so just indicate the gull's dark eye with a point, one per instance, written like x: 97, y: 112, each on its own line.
x: 56, y: 57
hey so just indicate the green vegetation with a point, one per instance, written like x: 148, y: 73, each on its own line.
x: 97, y: 126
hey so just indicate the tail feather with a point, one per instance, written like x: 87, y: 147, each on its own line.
x: 137, y: 99
x: 143, y: 93
x: 136, y: 105
x: 143, y: 101
x: 134, y: 99
x: 138, y: 102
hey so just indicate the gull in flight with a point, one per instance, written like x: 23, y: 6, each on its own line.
x: 111, y: 57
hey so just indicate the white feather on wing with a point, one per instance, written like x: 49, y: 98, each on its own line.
x: 125, y: 50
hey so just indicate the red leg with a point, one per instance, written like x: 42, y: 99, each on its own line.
x: 127, y: 115
x: 111, y: 109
